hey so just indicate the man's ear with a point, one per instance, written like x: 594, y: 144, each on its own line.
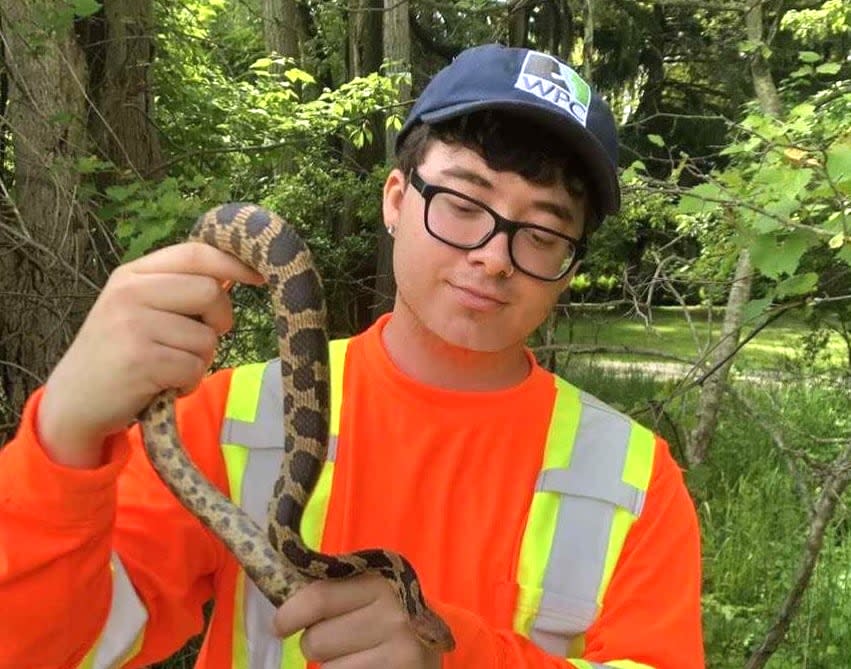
x: 394, y: 192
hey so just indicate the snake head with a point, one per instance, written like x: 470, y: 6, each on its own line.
x: 432, y: 631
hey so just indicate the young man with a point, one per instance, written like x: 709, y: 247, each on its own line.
x: 547, y: 529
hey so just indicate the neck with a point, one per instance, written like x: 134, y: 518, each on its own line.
x: 422, y: 355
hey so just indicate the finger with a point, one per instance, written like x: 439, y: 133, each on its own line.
x: 172, y: 368
x: 385, y: 656
x: 197, y: 258
x: 370, y: 658
x: 349, y: 633
x: 321, y: 600
x: 189, y: 295
x: 182, y: 333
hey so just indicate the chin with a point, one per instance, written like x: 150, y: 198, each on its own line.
x: 466, y: 334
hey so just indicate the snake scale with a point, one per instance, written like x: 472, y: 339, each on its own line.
x: 277, y: 560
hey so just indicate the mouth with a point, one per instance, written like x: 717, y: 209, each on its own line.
x: 477, y: 299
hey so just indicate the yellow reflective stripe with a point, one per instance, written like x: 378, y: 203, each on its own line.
x: 240, y: 658
x: 637, y: 470
x: 543, y: 511
x: 291, y: 657
x: 622, y: 521
x: 316, y: 509
x: 243, y: 405
x: 576, y: 646
x: 236, y: 458
x: 135, y: 648
x: 89, y: 660
x: 614, y: 664
x: 563, y: 425
x: 336, y: 360
x: 639, y: 457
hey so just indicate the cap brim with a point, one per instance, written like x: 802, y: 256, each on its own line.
x: 602, y: 177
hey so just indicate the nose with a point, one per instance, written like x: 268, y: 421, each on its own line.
x: 494, y: 257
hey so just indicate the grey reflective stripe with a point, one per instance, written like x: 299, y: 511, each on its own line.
x: 127, y: 618
x: 264, y: 439
x: 261, y: 471
x: 267, y: 428
x: 591, y: 488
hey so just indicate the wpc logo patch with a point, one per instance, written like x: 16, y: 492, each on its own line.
x: 550, y: 80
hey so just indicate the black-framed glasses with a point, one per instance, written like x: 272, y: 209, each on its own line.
x: 465, y: 223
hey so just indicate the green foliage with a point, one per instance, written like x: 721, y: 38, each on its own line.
x: 786, y: 192
x: 243, y: 126
x: 752, y: 517
x: 819, y: 24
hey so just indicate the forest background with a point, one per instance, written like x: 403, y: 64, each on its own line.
x: 122, y: 120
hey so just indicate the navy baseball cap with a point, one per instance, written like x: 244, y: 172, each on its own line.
x: 536, y: 85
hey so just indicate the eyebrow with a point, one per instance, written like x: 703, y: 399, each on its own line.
x: 477, y: 179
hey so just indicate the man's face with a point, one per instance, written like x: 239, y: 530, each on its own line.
x: 473, y: 299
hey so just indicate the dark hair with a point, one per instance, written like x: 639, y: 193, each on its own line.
x: 506, y: 142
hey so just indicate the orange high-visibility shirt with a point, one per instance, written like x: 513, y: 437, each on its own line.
x: 444, y: 477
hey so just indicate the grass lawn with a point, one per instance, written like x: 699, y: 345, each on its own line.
x: 667, y: 330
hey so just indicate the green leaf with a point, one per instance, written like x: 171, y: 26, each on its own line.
x: 764, y: 223
x: 84, y: 8
x: 828, y: 68
x: 803, y: 71
x: 845, y: 254
x: 261, y: 64
x: 755, y: 308
x: 121, y: 193
x: 630, y: 174
x: 774, y: 255
x: 808, y: 57
x: 656, y: 140
x: 294, y: 74
x: 800, y: 284
x: 90, y: 165
x: 839, y: 162
x: 701, y: 199
x: 836, y: 241
x: 748, y: 46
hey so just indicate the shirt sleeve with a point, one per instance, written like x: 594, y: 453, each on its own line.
x: 64, y: 532
x: 650, y: 616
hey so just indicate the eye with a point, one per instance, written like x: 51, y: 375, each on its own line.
x: 542, y: 239
x: 463, y: 208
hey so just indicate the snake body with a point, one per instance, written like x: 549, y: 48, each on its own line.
x: 277, y: 560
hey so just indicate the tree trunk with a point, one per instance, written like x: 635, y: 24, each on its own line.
x: 566, y: 28
x: 364, y: 56
x: 397, y: 52
x: 588, y: 42
x: 763, y: 82
x: 518, y: 23
x: 284, y: 31
x: 120, y: 81
x: 548, y: 26
x: 713, y: 389
x: 4, y: 100
x: 709, y: 403
x: 44, y: 241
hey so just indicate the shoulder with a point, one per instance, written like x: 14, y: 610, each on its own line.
x: 596, y: 415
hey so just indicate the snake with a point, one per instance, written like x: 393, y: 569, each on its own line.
x: 276, y: 558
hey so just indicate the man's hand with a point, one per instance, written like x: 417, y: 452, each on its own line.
x: 154, y: 326
x: 354, y: 624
